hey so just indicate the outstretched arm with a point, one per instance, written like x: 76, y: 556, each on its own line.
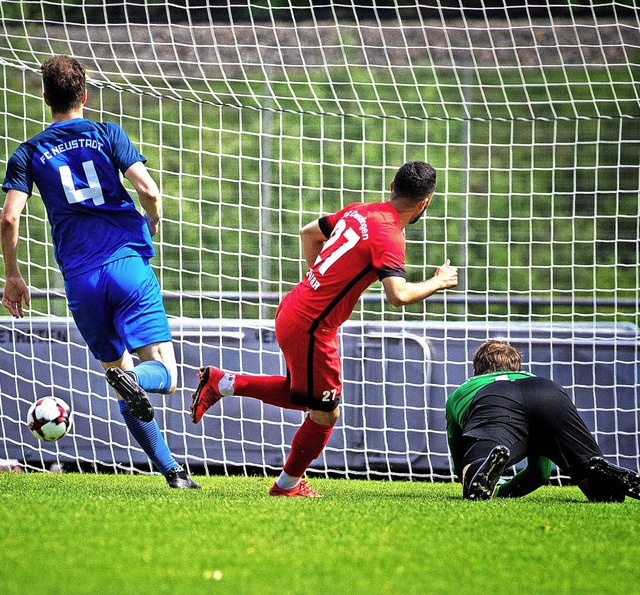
x: 401, y: 292
x: 148, y: 193
x: 15, y: 290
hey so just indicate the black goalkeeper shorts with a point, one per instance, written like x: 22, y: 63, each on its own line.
x: 531, y: 416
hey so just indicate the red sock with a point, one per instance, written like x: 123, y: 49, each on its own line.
x: 273, y: 390
x: 307, y: 445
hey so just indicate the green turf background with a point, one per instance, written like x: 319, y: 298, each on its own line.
x: 129, y: 534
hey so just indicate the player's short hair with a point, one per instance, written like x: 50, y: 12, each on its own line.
x: 496, y: 356
x: 414, y: 180
x: 64, y: 82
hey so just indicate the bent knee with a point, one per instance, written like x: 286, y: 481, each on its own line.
x: 173, y: 380
x: 172, y: 388
x: 325, y: 418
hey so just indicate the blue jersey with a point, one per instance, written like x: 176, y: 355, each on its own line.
x: 75, y: 164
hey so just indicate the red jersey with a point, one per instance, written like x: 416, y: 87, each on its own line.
x: 365, y: 244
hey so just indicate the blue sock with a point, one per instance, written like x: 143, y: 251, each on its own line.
x: 148, y: 436
x: 153, y: 376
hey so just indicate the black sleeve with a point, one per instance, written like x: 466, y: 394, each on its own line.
x: 325, y: 226
x: 389, y: 272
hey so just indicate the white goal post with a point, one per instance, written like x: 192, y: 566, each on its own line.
x: 258, y: 117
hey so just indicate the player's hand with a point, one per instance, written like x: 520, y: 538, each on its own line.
x: 153, y: 224
x: 15, y: 291
x: 447, y: 275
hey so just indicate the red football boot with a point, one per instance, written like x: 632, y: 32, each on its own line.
x: 207, y: 393
x: 302, y: 490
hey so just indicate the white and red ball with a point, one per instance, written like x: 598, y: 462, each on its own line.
x: 49, y: 419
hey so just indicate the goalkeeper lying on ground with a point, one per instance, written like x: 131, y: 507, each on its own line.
x: 502, y: 415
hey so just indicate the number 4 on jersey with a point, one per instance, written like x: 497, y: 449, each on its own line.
x: 340, y: 230
x: 93, y: 192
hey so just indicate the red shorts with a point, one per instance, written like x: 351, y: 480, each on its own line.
x: 313, y: 363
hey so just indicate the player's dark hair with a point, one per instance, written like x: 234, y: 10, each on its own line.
x: 496, y: 356
x: 64, y: 81
x: 414, y: 180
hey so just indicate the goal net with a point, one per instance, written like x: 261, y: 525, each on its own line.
x: 258, y: 117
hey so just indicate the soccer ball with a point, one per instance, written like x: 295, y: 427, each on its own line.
x: 49, y: 419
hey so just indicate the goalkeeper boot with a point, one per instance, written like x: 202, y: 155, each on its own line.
x: 484, y: 480
x: 618, y: 481
x: 124, y: 381
x: 180, y: 479
x: 302, y: 490
x: 208, y: 392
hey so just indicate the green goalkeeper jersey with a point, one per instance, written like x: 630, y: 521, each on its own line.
x: 538, y: 469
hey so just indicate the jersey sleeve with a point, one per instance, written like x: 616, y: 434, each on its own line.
x: 328, y: 222
x: 388, y: 251
x: 454, y: 441
x: 18, y: 176
x: 125, y: 153
x: 326, y: 225
x: 536, y: 474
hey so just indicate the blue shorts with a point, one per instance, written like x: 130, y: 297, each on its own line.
x: 118, y: 306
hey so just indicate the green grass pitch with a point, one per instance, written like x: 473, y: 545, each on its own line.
x: 123, y: 534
